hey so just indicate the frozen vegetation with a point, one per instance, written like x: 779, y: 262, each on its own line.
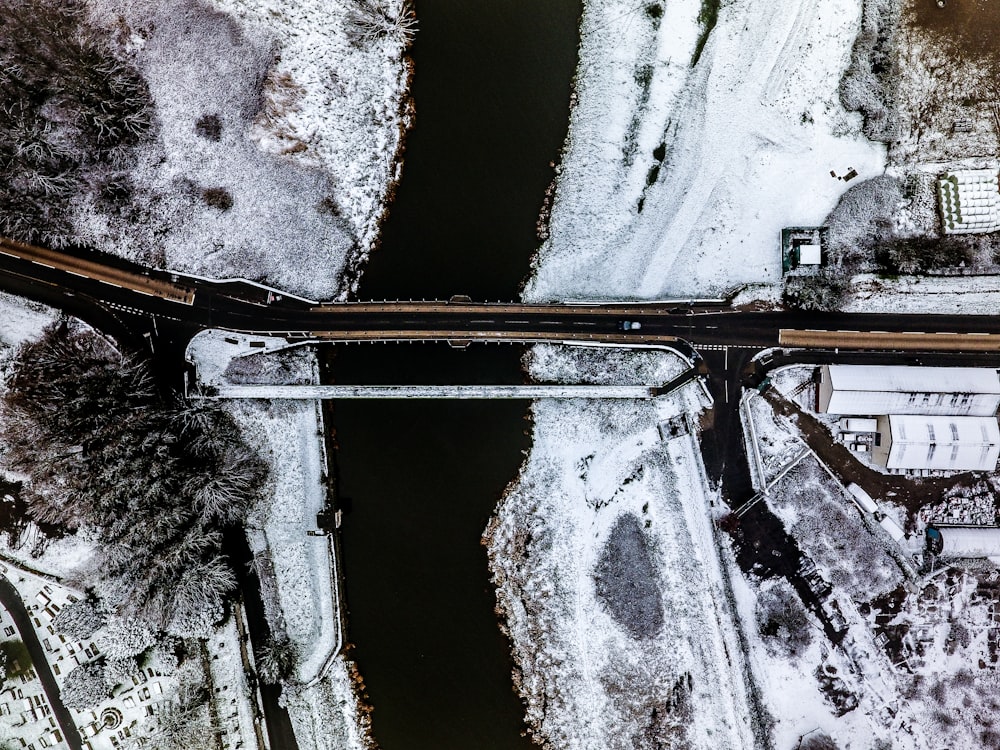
x: 231, y: 139
x: 153, y: 484
x: 108, y: 655
x: 607, y: 577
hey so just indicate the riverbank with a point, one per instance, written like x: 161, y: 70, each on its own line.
x: 660, y: 186
x: 244, y: 89
x: 296, y: 560
x: 607, y: 573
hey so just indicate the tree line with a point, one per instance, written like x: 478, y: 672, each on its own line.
x: 153, y: 479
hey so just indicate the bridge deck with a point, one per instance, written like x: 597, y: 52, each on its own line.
x: 432, y: 391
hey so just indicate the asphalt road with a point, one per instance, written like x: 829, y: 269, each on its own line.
x: 146, y: 320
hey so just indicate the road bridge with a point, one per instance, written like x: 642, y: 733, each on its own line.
x: 164, y: 310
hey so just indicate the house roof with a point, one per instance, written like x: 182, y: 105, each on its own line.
x: 902, y: 379
x: 944, y: 443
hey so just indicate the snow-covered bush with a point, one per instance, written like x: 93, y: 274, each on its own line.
x: 80, y: 619
x: 867, y: 86
x: 822, y: 291
x: 118, y: 670
x: 921, y: 254
x: 182, y: 724
x: 125, y: 637
x: 818, y: 740
x: 85, y: 687
x: 368, y: 21
x: 863, y: 217
x: 163, y: 657
x: 783, y: 621
x: 828, y: 528
x: 626, y: 579
x: 286, y: 367
x: 276, y: 659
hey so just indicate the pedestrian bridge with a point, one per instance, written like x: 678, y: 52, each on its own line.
x: 311, y: 392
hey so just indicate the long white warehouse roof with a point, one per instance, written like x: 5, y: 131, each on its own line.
x: 893, y: 389
x: 966, y: 541
x: 943, y: 443
x: 902, y: 379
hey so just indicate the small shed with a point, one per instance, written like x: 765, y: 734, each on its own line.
x: 802, y: 248
x: 811, y: 254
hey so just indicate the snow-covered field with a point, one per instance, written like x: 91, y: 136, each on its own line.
x: 333, y: 103
x: 718, y: 157
x: 608, y: 578
x: 277, y: 142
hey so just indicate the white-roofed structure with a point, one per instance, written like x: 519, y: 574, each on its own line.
x: 970, y: 201
x: 913, y: 442
x: 892, y: 389
x: 811, y: 254
x: 964, y: 541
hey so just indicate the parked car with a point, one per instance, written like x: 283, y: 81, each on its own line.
x: 629, y: 325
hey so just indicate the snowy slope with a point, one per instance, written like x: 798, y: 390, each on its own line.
x: 747, y: 140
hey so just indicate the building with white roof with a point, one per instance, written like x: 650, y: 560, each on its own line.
x: 915, y: 442
x: 964, y: 541
x: 970, y: 201
x: 856, y: 390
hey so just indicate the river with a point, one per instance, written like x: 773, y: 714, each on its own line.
x: 419, y: 480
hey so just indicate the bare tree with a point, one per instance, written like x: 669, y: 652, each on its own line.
x: 368, y: 21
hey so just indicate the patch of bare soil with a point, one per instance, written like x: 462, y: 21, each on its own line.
x: 972, y: 26
x: 911, y: 493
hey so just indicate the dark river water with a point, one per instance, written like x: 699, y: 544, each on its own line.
x: 420, y: 479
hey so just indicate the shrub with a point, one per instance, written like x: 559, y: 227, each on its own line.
x: 209, y: 126
x: 85, y: 687
x: 217, y: 197
x: 276, y: 659
x: 822, y: 291
x: 921, y: 254
x: 817, y: 740
x: 862, y: 218
x: 782, y: 621
x: 368, y: 21
x: 867, y: 86
x: 80, y: 619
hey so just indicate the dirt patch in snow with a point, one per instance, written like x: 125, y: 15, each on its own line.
x: 625, y: 579
x: 971, y: 25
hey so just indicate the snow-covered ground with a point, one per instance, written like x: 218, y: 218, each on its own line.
x: 20, y: 321
x: 334, y: 103
x: 608, y: 577
x: 719, y: 157
x: 297, y: 568
x: 277, y: 142
x: 789, y: 688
